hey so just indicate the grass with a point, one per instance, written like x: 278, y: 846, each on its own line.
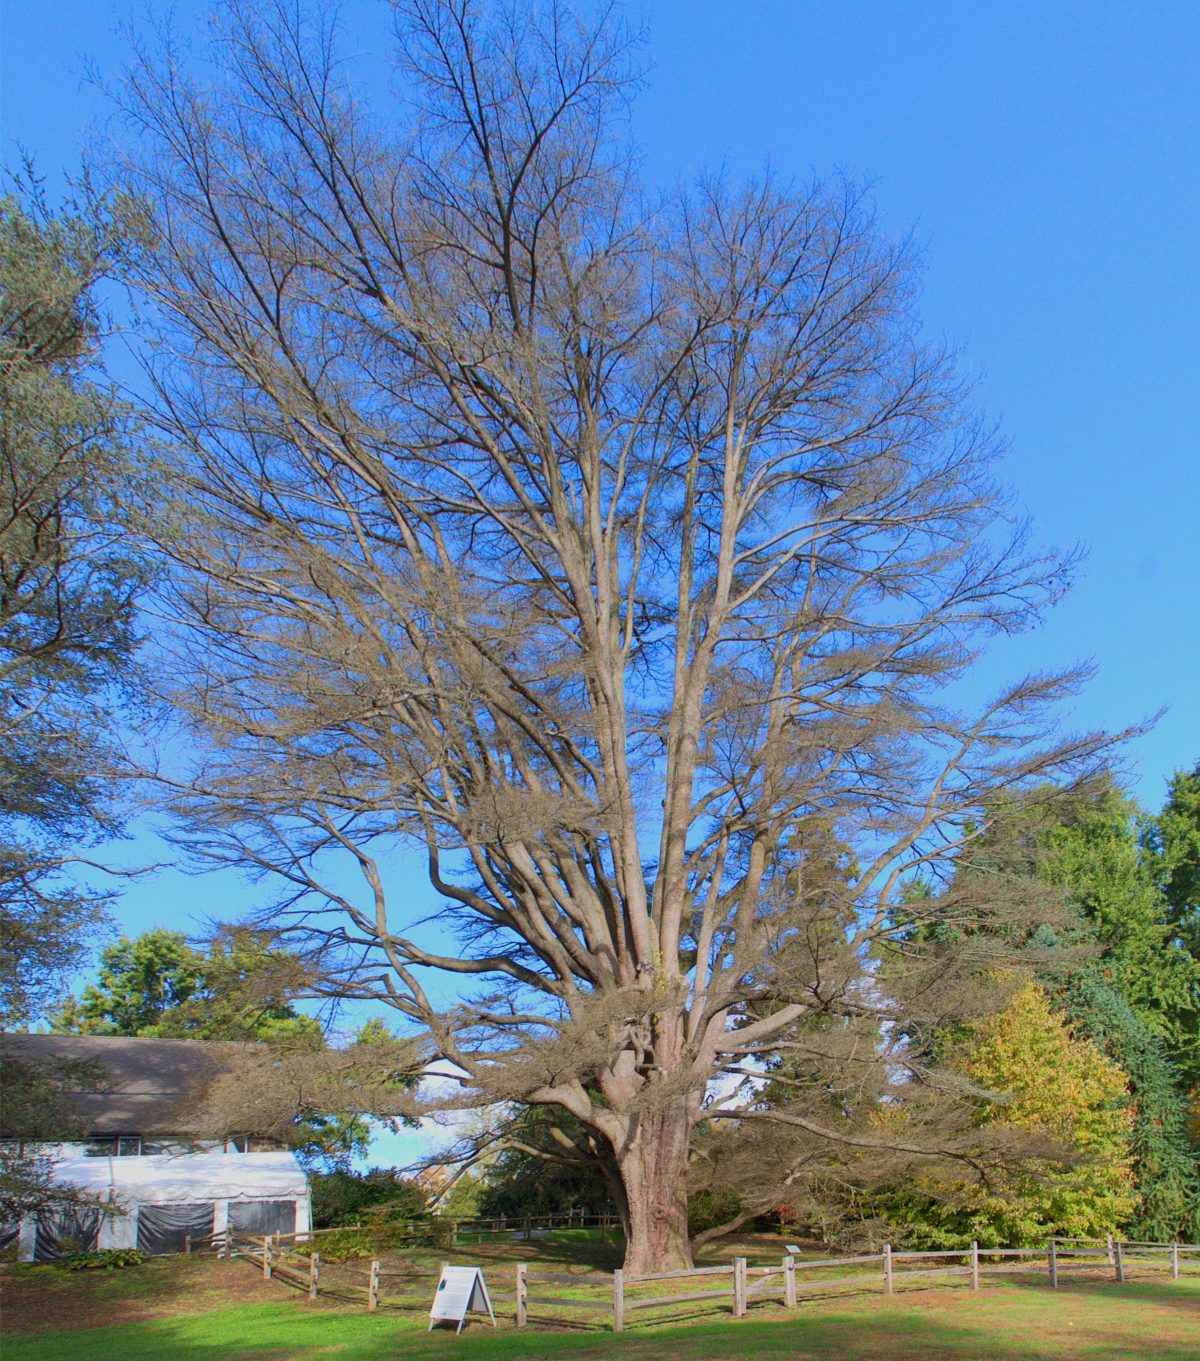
x: 200, y: 1309
x: 1151, y: 1320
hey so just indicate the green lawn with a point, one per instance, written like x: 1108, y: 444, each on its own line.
x: 1157, y: 1319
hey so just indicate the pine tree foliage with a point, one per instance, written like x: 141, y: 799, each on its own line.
x: 69, y: 580
x: 242, y: 987
x: 1125, y: 971
x: 1166, y: 1155
x: 1101, y: 854
x: 158, y: 985
x: 1173, y: 838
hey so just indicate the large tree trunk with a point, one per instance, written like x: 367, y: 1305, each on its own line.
x: 653, y: 1166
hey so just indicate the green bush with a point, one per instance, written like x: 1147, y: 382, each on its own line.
x: 372, y: 1239
x: 108, y: 1260
x: 347, y: 1198
x: 347, y: 1245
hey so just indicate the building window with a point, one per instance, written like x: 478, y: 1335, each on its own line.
x: 114, y: 1146
x: 246, y: 1143
x: 169, y: 1147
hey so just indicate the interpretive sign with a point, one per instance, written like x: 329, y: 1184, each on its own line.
x: 461, y: 1290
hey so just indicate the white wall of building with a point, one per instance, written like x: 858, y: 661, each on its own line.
x: 212, y: 1176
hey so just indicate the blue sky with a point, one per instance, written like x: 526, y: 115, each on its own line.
x: 1043, y: 155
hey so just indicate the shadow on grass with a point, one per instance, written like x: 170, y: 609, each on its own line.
x: 1151, y: 1320
x: 46, y: 1297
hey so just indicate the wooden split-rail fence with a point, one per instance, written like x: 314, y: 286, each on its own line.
x: 611, y: 1297
x: 790, y: 1278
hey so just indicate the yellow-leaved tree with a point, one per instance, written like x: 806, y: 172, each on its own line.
x: 1053, y: 1090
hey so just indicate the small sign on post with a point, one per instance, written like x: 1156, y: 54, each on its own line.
x: 461, y: 1290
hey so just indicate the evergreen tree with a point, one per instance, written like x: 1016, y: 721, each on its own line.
x: 1166, y: 1161
x: 1124, y: 973
x: 157, y: 985
x: 1172, y: 844
x: 546, y: 1165
x: 1101, y: 855
x: 69, y: 582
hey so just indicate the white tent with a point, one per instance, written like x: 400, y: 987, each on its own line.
x: 188, y: 1176
x: 158, y: 1199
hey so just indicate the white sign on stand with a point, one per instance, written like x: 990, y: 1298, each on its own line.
x: 461, y: 1289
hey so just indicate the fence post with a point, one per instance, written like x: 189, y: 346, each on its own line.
x: 187, y: 1244
x: 1053, y: 1264
x: 887, y: 1268
x: 1174, y: 1261
x: 603, y: 1228
x: 1120, y: 1264
x: 314, y: 1275
x: 373, y: 1287
x: 522, y: 1295
x: 267, y: 1258
x: 454, y: 1233
x: 618, y: 1301
x: 739, y: 1287
x: 528, y: 1228
x: 789, y: 1281
x: 974, y: 1266
x: 1108, y: 1242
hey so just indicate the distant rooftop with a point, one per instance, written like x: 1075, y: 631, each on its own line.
x: 154, y: 1087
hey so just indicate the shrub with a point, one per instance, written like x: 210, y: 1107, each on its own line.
x: 346, y: 1198
x: 109, y: 1259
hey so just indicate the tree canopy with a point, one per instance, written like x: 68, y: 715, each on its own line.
x: 1118, y: 967
x: 242, y: 987
x: 618, y: 551
x: 157, y: 984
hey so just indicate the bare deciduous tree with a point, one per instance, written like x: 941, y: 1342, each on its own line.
x: 623, y: 555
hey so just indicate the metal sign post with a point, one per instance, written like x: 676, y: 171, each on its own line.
x: 461, y: 1290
